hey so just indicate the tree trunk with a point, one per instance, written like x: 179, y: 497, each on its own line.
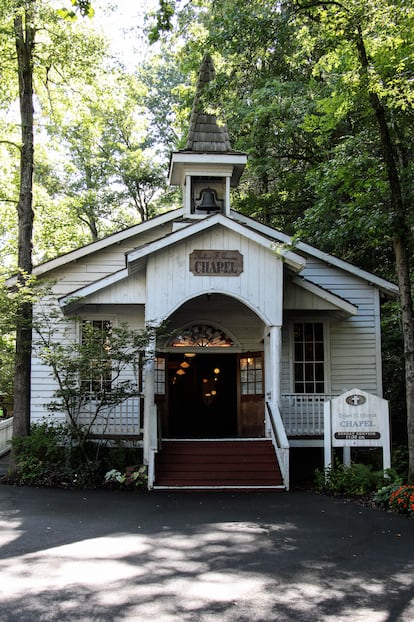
x: 401, y: 245
x: 24, y: 37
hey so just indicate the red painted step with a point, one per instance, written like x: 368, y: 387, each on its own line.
x: 200, y: 464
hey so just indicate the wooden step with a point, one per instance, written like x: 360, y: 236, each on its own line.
x: 230, y: 464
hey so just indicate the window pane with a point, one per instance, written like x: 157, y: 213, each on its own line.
x: 298, y: 371
x: 299, y: 387
x: 308, y: 332
x: 309, y: 371
x: 298, y: 352
x: 309, y: 352
x: 318, y: 332
x: 319, y: 352
x: 319, y: 371
x: 298, y: 332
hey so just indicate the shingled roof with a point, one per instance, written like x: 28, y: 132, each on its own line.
x: 206, y: 134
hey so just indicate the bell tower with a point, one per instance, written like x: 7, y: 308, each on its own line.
x: 207, y: 167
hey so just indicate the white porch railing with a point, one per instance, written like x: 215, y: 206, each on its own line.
x: 279, y: 440
x: 6, y: 433
x: 122, y: 420
x: 302, y: 413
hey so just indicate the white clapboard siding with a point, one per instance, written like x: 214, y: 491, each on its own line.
x: 131, y: 290
x: 354, y: 341
x: 90, y: 268
x: 259, y: 286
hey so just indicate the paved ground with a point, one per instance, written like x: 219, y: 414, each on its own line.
x: 106, y: 555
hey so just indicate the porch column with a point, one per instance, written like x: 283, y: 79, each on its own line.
x: 149, y: 408
x: 272, y: 343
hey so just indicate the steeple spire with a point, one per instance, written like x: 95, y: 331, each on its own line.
x: 207, y: 167
x: 206, y: 133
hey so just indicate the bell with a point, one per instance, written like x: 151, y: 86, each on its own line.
x: 208, y: 201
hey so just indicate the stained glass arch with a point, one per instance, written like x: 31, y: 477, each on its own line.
x: 201, y: 336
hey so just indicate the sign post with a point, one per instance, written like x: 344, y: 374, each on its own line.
x: 356, y: 419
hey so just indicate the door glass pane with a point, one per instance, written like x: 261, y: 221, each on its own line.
x: 251, y: 375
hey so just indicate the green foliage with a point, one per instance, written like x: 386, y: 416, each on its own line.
x: 163, y: 20
x: 400, y: 461
x: 46, y: 442
x: 382, y: 496
x: 40, y: 454
x: 355, y: 480
x: 50, y: 457
x: 84, y: 7
x: 132, y: 477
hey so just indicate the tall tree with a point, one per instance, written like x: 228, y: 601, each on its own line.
x: 23, y: 18
x: 364, y: 28
x: 24, y: 31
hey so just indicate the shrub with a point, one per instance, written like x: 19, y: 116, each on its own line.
x: 402, y: 500
x: 49, y: 456
x: 45, y: 457
x: 355, y: 480
x: 46, y: 442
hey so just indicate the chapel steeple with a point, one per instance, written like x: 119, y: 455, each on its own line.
x: 208, y: 166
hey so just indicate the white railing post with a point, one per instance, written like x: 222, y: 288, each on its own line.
x: 148, y: 405
x: 150, y: 440
x: 6, y: 434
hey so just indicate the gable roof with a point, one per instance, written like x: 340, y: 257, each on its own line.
x: 385, y: 286
x: 137, y: 258
x: 344, y: 307
x: 106, y: 242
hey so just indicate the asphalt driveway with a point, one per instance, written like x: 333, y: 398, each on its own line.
x: 104, y: 555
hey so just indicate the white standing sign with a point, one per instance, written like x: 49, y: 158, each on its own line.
x: 357, y: 419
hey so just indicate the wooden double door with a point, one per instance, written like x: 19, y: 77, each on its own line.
x: 214, y: 395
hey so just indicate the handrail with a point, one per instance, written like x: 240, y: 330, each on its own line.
x: 279, y: 440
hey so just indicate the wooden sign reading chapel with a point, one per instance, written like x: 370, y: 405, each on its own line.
x: 216, y: 263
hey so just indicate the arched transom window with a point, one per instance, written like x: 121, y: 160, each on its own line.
x: 202, y: 336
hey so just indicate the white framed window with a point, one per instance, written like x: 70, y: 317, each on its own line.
x: 159, y: 371
x: 95, y: 335
x: 309, y: 356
